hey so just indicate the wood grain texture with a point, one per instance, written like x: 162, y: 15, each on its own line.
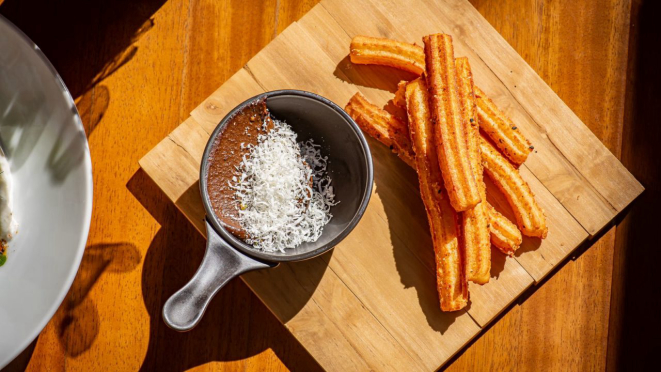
x: 551, y: 251
x: 135, y: 71
x: 632, y: 344
x: 578, y: 48
x: 546, y: 35
x: 368, y: 279
x: 299, y: 292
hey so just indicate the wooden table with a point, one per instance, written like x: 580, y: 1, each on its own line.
x: 136, y: 71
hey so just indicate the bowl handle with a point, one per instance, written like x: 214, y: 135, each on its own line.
x: 221, y: 263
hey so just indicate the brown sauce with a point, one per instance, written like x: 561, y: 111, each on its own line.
x: 226, y: 155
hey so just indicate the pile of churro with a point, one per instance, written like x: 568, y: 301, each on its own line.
x: 452, y: 135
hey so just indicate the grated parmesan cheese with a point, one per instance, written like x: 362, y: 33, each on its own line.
x: 278, y: 207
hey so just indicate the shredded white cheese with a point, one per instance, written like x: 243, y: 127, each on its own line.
x: 279, y: 209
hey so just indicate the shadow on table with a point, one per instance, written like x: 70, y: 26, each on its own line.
x: 86, y: 41
x: 236, y: 324
x: 21, y: 362
x: 77, y: 320
x: 635, y: 324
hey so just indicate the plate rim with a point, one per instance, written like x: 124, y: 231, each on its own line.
x: 87, y: 212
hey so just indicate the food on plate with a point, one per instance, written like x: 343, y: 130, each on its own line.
x: 265, y: 187
x: 501, y: 130
x: 381, y: 125
x: 529, y: 216
x: 503, y: 233
x: 449, y: 125
x: 377, y: 51
x: 475, y: 221
x: 8, y: 224
x: 450, y: 275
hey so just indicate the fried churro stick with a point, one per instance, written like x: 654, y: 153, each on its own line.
x: 501, y: 130
x: 381, y: 125
x: 475, y: 221
x: 449, y: 126
x: 504, y: 234
x: 450, y: 275
x: 492, y: 120
x: 400, y: 95
x: 529, y: 216
x: 377, y: 51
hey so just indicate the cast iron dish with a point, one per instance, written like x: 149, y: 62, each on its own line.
x: 350, y: 168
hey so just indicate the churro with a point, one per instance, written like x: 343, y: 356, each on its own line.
x: 450, y: 275
x: 501, y: 130
x: 381, y: 125
x: 504, y: 234
x: 371, y: 50
x: 529, y: 216
x: 400, y: 98
x: 449, y: 128
x: 475, y: 221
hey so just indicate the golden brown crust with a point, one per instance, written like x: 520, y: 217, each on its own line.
x: 451, y: 280
x: 377, y: 51
x: 529, y: 216
x: 501, y: 129
x: 504, y: 234
x: 449, y: 128
x: 381, y: 125
x: 400, y: 95
x: 475, y: 221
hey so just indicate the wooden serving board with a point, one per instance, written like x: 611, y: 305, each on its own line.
x: 371, y: 303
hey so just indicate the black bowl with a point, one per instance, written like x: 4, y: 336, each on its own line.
x: 349, y: 166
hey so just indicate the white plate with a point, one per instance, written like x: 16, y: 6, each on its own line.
x: 45, y: 142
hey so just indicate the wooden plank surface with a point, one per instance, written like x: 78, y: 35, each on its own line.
x: 553, y: 168
x: 303, y: 57
x: 579, y: 48
x: 365, y: 322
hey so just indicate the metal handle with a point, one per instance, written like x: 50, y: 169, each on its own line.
x: 221, y: 263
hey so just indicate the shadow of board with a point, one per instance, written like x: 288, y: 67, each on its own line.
x: 236, y: 324
x: 412, y: 247
x: 634, y: 318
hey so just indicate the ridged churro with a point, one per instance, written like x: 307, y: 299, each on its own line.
x: 371, y: 50
x: 450, y: 274
x: 381, y: 125
x: 501, y: 130
x: 400, y: 95
x: 475, y: 221
x: 529, y: 216
x: 449, y: 127
x: 492, y: 120
x: 504, y: 234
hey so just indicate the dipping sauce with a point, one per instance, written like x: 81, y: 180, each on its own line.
x: 225, y: 157
x: 266, y: 187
